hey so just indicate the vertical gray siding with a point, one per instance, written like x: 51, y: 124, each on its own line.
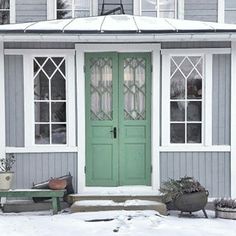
x: 14, y: 96
x: 31, y: 10
x: 203, y: 10
x: 39, y: 45
x: 221, y: 100
x: 38, y: 167
x: 170, y: 45
x: 230, y: 11
x: 211, y: 169
x: 127, y: 4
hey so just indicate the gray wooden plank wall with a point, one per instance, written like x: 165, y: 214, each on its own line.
x: 31, y: 10
x: 39, y: 45
x: 211, y: 169
x: 14, y: 96
x: 230, y: 11
x: 38, y: 167
x: 221, y: 100
x: 203, y: 10
x: 127, y: 4
x: 172, y: 45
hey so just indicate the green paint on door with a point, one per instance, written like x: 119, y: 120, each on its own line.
x: 118, y: 119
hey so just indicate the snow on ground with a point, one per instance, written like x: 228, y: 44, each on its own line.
x: 134, y: 223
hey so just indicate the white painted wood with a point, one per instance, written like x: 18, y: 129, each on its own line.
x: 156, y: 70
x: 208, y: 100
x: 195, y: 148
x: 43, y: 149
x: 180, y: 9
x: 12, y: 11
x: 233, y: 121
x: 51, y: 9
x: 80, y: 116
x: 2, y: 103
x: 137, y: 7
x: 28, y: 56
x: 94, y: 7
x: 80, y: 52
x: 197, y: 50
x: 221, y: 11
x: 165, y: 112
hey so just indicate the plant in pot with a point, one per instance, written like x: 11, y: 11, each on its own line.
x: 186, y: 194
x: 225, y: 208
x: 6, y: 175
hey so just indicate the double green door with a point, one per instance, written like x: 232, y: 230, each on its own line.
x: 118, y: 119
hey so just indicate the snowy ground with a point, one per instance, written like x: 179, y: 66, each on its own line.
x: 143, y: 223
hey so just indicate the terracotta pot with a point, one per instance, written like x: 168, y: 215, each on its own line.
x: 6, y: 180
x: 57, y: 184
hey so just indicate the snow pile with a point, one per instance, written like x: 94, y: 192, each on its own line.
x: 134, y: 223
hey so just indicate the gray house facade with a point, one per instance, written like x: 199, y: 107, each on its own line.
x: 121, y: 102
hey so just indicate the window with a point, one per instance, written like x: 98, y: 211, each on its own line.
x: 4, y: 12
x: 72, y: 8
x: 159, y: 8
x: 50, y: 100
x: 186, y: 80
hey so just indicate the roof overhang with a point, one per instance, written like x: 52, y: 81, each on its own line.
x: 118, y: 28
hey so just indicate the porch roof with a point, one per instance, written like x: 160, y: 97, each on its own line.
x: 118, y: 25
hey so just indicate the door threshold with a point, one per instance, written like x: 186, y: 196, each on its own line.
x: 119, y: 191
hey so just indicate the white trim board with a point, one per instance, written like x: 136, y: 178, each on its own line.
x: 233, y: 121
x: 2, y: 103
x: 221, y: 11
x: 81, y: 49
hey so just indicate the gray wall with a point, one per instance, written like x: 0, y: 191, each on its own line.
x: 38, y: 167
x: 211, y: 169
x: 14, y: 96
x: 168, y: 45
x: 31, y: 10
x: 127, y: 4
x: 230, y: 11
x: 38, y: 45
x: 221, y: 100
x: 203, y: 10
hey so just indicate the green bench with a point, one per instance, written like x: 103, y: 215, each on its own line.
x: 54, y: 194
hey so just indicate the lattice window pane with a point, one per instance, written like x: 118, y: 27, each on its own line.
x: 101, y: 89
x: 134, y: 89
x: 50, y: 100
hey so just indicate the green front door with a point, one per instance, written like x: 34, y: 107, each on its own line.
x: 118, y: 119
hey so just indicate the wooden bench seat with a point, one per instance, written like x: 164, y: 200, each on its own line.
x: 54, y: 194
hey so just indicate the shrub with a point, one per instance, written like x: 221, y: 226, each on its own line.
x: 225, y: 203
x: 6, y: 164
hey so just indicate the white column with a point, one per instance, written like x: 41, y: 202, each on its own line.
x: 180, y: 9
x: 137, y: 7
x: 233, y: 121
x: 2, y: 104
x: 221, y: 11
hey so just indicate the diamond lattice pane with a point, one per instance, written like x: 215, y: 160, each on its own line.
x: 101, y: 89
x: 134, y: 89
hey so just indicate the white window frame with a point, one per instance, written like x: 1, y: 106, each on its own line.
x: 28, y: 56
x: 12, y: 11
x: 52, y: 9
x: 206, y: 96
x: 179, y: 8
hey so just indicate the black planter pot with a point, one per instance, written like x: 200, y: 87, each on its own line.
x: 191, y: 202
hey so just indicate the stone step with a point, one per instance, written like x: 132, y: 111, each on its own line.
x: 116, y: 198
x: 110, y: 205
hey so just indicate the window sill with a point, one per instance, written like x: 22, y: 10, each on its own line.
x: 41, y: 149
x: 195, y: 148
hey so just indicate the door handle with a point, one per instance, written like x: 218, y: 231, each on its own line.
x: 114, y: 131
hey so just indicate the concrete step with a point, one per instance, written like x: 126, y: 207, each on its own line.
x: 110, y: 205
x: 116, y: 198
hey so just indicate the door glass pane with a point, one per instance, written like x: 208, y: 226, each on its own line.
x: 134, y: 89
x: 101, y: 89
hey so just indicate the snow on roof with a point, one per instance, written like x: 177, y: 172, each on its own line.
x: 117, y: 24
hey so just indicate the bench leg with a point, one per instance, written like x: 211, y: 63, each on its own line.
x: 54, y: 205
x: 58, y: 204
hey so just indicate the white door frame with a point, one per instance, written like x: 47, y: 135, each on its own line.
x: 81, y: 49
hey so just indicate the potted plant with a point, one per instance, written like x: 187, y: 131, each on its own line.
x: 6, y: 175
x: 186, y: 194
x: 225, y: 208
